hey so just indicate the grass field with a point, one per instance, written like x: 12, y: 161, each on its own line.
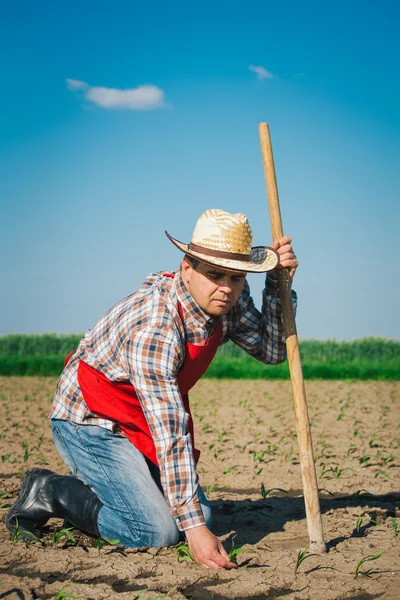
x: 368, y: 358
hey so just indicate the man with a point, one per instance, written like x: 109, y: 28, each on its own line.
x: 121, y: 416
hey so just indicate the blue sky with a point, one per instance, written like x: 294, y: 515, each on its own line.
x: 90, y: 178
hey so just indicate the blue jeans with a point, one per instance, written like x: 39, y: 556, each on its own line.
x: 135, y: 511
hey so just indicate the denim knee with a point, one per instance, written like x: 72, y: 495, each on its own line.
x: 168, y: 536
x: 207, y: 514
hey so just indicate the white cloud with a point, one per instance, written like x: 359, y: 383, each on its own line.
x: 144, y: 97
x: 75, y: 84
x: 261, y: 72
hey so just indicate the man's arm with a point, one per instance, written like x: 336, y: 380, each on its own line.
x: 261, y: 334
x: 153, y: 360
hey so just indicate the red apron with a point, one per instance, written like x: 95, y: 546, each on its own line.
x: 119, y: 402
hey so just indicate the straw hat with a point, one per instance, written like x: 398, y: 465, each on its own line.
x: 224, y: 239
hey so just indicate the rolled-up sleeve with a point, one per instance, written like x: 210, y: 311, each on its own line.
x: 260, y: 333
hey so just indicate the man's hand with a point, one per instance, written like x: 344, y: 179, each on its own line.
x: 287, y: 257
x: 207, y: 550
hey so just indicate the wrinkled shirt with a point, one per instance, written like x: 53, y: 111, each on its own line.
x: 142, y: 339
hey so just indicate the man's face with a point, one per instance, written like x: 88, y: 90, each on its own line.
x: 214, y: 289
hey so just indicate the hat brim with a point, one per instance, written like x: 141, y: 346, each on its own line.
x: 262, y: 258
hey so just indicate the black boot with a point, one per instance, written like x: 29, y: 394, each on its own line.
x: 45, y: 494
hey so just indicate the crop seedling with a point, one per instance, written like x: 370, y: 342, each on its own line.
x: 6, y: 458
x: 368, y: 572
x: 183, y: 553
x: 352, y: 448
x: 301, y: 557
x: 364, y: 459
x: 59, y: 533
x: 235, y: 512
x: 359, y: 522
x: 64, y: 594
x: 230, y: 469
x: 395, y: 527
x: 107, y: 541
x: 373, y: 441
x: 355, y: 496
x: 265, y: 493
x: 327, y: 491
x: 234, y: 552
x: 382, y: 474
x: 334, y: 470
x: 19, y: 532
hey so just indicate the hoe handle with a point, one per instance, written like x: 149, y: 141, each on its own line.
x: 310, y: 487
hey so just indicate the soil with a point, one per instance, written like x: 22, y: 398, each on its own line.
x: 246, y: 431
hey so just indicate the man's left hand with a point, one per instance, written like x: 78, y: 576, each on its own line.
x: 288, y: 259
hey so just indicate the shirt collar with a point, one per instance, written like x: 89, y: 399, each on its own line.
x: 193, y: 315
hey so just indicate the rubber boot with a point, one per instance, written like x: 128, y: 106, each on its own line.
x: 45, y: 494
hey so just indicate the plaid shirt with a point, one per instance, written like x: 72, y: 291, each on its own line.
x: 142, y: 339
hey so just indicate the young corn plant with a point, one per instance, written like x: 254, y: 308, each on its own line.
x: 183, y: 553
x: 100, y: 540
x: 301, y: 557
x: 64, y: 532
x: 336, y: 471
x: 395, y: 526
x: 18, y: 532
x: 360, y: 563
x: 234, y: 552
x: 64, y: 594
x: 264, y: 493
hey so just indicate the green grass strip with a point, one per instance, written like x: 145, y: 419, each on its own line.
x: 224, y: 367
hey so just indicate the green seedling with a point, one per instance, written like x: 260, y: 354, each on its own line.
x: 183, y: 553
x: 210, y: 488
x: 64, y: 594
x: 359, y: 522
x: 230, y: 469
x: 207, y: 427
x: 140, y: 592
x: 327, y: 491
x: 395, y: 527
x: 234, y: 552
x: 265, y: 493
x: 334, y: 470
x: 290, y: 456
x: 365, y: 559
x: 373, y: 441
x: 18, y: 532
x: 355, y: 496
x: 352, y: 448
x: 108, y: 541
x: 235, y: 512
x: 382, y: 474
x: 59, y: 533
x: 301, y: 557
x: 364, y: 459
x: 387, y: 459
x: 6, y: 458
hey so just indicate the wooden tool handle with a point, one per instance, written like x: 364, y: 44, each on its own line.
x: 310, y: 487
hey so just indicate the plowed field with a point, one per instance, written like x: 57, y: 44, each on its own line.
x: 250, y: 471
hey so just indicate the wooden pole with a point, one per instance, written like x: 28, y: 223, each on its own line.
x: 310, y: 487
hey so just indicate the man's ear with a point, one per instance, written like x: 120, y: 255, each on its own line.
x: 186, y: 270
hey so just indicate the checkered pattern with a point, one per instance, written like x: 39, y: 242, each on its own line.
x: 142, y: 339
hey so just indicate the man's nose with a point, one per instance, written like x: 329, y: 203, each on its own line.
x: 226, y: 286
